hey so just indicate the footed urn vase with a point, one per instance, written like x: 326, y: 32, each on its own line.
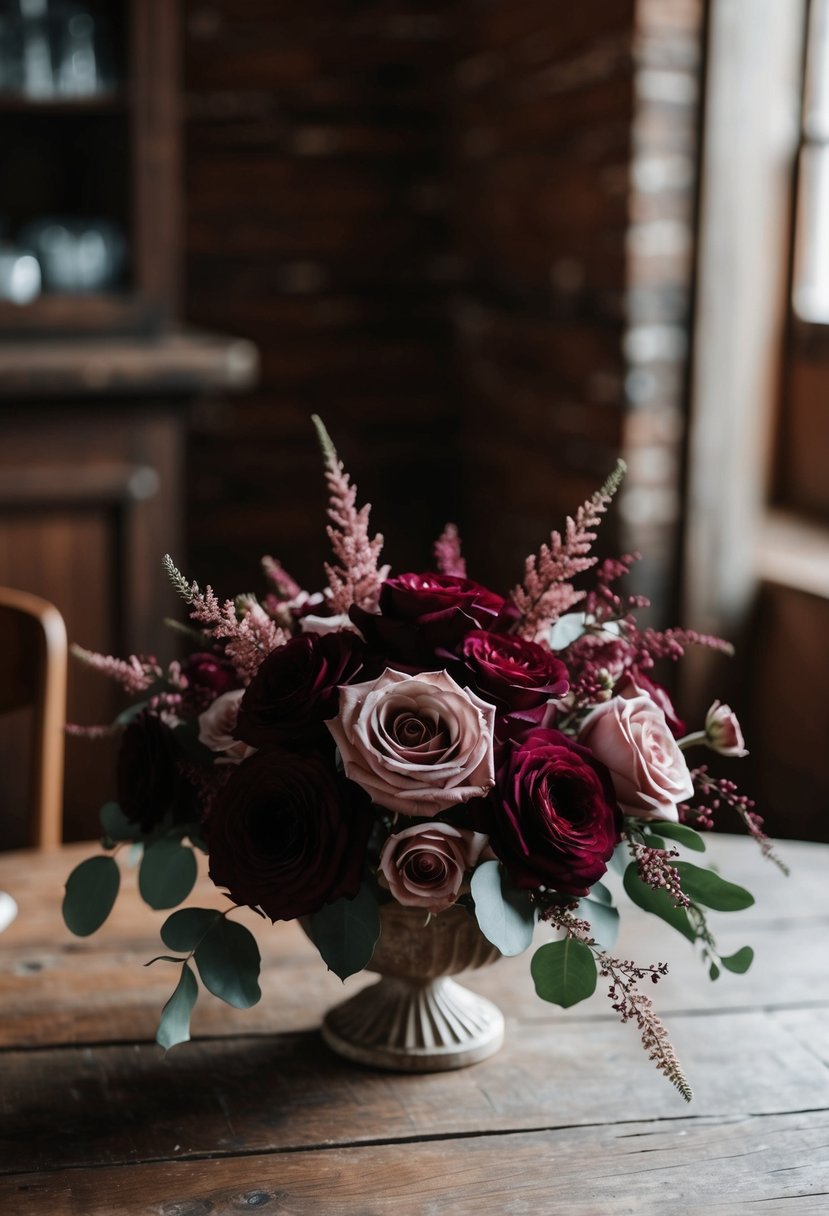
x: 416, y: 1018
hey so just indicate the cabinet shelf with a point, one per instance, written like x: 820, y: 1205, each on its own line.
x: 113, y: 101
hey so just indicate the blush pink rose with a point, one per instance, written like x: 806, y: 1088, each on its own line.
x: 425, y: 865
x: 216, y: 726
x: 415, y: 744
x: 631, y: 736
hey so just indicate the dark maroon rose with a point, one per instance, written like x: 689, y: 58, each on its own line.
x: 297, y: 687
x: 149, y: 784
x: 511, y: 671
x: 288, y: 834
x: 207, y: 676
x: 634, y: 683
x: 422, y: 614
x: 553, y: 818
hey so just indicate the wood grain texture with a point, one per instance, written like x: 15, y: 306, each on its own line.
x: 686, y: 1167
x: 256, y: 1112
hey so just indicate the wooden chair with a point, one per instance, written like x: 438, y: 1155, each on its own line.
x: 33, y: 662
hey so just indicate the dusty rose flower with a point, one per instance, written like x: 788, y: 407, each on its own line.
x: 216, y: 726
x: 632, y: 738
x: 424, y: 865
x: 722, y: 731
x: 634, y: 683
x: 416, y: 744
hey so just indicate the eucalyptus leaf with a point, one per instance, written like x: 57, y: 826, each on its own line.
x: 682, y: 834
x: 713, y: 972
x: 620, y: 859
x: 601, y: 893
x: 346, y: 931
x: 185, y: 928
x: 115, y: 825
x: 707, y: 888
x: 564, y: 972
x: 91, y: 890
x: 505, y: 914
x: 603, y: 919
x: 228, y: 961
x: 659, y: 902
x: 174, y: 1026
x: 168, y: 872
x: 739, y: 962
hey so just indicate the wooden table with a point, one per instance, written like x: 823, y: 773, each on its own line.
x: 256, y: 1114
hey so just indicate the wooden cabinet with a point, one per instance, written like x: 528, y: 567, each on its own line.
x: 97, y: 378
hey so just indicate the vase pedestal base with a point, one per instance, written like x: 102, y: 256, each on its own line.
x: 406, y: 1026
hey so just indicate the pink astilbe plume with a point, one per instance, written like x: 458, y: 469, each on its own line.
x: 357, y: 577
x: 135, y: 674
x: 547, y: 591
x: 284, y: 587
x: 247, y: 630
x: 448, y: 557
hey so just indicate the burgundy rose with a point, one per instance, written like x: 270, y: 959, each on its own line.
x: 297, y: 687
x: 149, y: 784
x: 422, y: 614
x: 288, y: 834
x: 207, y: 676
x: 512, y: 671
x: 554, y: 820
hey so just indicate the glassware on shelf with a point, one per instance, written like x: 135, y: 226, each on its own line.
x: 20, y: 280
x: 53, y: 49
x: 76, y: 255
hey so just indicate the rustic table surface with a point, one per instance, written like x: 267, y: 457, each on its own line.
x: 569, y: 1117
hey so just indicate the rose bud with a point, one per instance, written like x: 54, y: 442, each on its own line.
x: 424, y: 865
x: 722, y: 731
x: 415, y: 744
x: 632, y: 737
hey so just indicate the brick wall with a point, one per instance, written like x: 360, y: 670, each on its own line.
x: 440, y: 224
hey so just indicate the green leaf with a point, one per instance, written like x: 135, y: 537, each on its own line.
x: 115, y: 825
x: 564, y: 973
x: 740, y: 962
x: 168, y: 872
x: 682, y: 834
x: 659, y: 902
x: 174, y: 1026
x: 713, y: 972
x: 601, y: 893
x: 707, y: 888
x: 505, y: 914
x: 603, y: 919
x: 165, y: 958
x: 91, y: 890
x: 228, y: 961
x: 185, y: 928
x: 346, y: 931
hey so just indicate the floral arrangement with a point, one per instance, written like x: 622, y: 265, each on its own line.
x: 419, y: 738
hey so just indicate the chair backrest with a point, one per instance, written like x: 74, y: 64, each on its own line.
x: 33, y: 661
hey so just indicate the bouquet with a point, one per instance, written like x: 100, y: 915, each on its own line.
x: 419, y: 739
